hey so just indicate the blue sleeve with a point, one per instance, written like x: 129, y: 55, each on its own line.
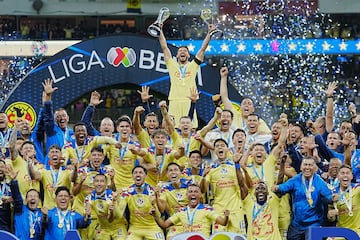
x: 295, y: 156
x: 146, y: 106
x: 39, y: 130
x: 80, y: 223
x: 287, y: 186
x: 49, y: 121
x: 87, y: 119
x: 191, y: 110
x: 323, y: 150
x: 18, y: 201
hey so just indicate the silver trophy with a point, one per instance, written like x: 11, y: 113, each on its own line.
x: 154, y: 29
x: 206, y: 15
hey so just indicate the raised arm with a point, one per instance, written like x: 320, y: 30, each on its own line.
x: 136, y: 119
x: 223, y: 220
x: 201, y: 53
x: 224, y: 89
x: 164, y: 46
x: 49, y: 121
x: 243, y: 187
x: 145, y: 96
x: 347, y: 149
x: 34, y: 175
x: 211, y: 123
x: 89, y: 113
x: 329, y: 118
x: 166, y: 117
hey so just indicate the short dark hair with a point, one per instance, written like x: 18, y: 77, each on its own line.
x: 238, y: 130
x: 139, y: 166
x: 62, y: 188
x: 100, y: 174
x: 32, y: 190
x: 301, y: 127
x: 79, y: 124
x: 97, y: 149
x: 345, y: 166
x: 228, y: 110
x: 172, y: 163
x: 55, y: 146
x: 194, y: 152
x: 221, y: 140
x: 123, y: 118
x: 26, y: 142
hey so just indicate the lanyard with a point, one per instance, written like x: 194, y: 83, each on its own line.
x: 65, y: 135
x: 64, y: 219
x: 78, y: 155
x: 334, y: 183
x: 4, y: 138
x: 55, y: 176
x: 308, y: 190
x: 183, y: 70
x: 191, y: 214
x: 3, y: 189
x: 33, y: 217
x: 187, y: 148
x: 122, y: 151
x: 348, y: 202
x: 262, y: 172
x: 162, y: 161
x: 256, y: 211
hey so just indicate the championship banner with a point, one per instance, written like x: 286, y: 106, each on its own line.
x: 107, y: 62
x: 133, y: 6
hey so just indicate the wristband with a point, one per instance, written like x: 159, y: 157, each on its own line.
x: 237, y: 166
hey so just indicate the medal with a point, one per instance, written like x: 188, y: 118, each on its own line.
x: 310, y: 201
x: 32, y: 232
x: 60, y: 225
x: 351, y: 213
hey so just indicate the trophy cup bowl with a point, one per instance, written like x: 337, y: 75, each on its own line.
x: 154, y: 29
x: 206, y: 15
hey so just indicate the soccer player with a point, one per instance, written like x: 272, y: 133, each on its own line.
x: 346, y: 207
x: 84, y: 185
x: 123, y: 160
x: 77, y: 150
x: 172, y: 195
x: 112, y: 224
x: 59, y: 220
x: 351, y: 154
x: 223, y: 181
x: 182, y: 74
x: 151, y: 123
x: 158, y: 157
x: 247, y: 105
x: 195, y: 217
x: 308, y: 195
x: 139, y: 197
x: 53, y: 176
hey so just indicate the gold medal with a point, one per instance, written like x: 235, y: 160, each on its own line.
x: 60, y: 225
x: 32, y: 232
x: 310, y: 201
x: 351, y: 213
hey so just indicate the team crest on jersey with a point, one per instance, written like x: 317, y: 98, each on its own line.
x: 179, y: 196
x: 100, y: 206
x: 140, y: 202
x: 223, y: 172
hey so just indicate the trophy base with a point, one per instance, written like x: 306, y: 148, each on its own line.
x: 154, y: 30
x: 216, y: 34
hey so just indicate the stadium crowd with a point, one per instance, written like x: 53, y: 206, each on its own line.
x: 134, y: 180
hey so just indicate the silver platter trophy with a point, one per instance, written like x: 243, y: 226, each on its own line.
x: 154, y: 29
x: 206, y: 15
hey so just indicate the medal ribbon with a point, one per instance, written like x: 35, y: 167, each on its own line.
x: 343, y: 198
x: 55, y: 176
x: 308, y: 190
x: 191, y: 214
x: 256, y: 211
x: 182, y: 70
